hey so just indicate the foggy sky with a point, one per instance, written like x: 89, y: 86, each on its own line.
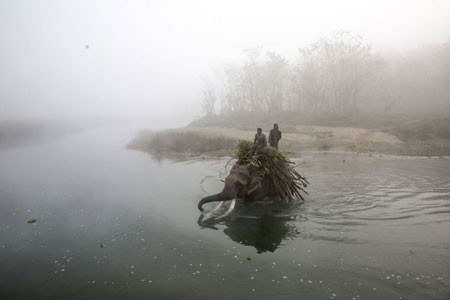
x: 86, y: 58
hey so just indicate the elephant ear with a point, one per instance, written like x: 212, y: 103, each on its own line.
x: 244, y: 176
x: 243, y: 181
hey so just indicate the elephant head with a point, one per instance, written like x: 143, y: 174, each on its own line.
x: 239, y: 184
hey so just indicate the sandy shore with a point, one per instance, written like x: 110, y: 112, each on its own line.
x: 299, y: 139
x: 312, y: 138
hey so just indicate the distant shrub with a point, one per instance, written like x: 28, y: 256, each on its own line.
x: 419, y: 130
x: 181, y: 142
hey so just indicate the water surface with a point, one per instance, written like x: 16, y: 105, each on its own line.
x: 112, y: 223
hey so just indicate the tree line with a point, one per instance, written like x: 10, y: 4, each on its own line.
x: 339, y: 74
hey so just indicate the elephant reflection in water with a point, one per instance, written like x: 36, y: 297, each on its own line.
x: 264, y: 233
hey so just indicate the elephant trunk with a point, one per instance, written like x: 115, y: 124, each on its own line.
x: 212, y: 198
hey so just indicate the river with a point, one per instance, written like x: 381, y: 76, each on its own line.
x: 85, y: 218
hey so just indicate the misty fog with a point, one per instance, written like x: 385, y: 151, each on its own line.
x: 120, y: 119
x: 339, y: 74
x: 142, y: 59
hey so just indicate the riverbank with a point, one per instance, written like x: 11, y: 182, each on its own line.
x: 407, y: 140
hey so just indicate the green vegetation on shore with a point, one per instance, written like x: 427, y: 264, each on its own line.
x: 368, y: 119
x: 336, y: 95
x: 402, y: 134
x: 182, y: 141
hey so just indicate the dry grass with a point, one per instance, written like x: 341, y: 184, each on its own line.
x: 182, y: 141
x: 418, y: 137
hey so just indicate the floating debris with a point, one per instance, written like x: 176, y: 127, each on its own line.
x: 31, y: 221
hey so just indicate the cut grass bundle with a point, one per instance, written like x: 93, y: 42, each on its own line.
x: 271, y: 162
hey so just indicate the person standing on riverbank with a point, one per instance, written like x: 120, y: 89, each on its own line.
x: 274, y: 136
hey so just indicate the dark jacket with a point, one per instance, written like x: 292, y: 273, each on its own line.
x: 274, y: 137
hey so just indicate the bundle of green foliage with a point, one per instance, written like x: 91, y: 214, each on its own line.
x: 271, y: 162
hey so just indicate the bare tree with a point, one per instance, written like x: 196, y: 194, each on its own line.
x: 275, y: 82
x: 339, y: 75
x: 252, y: 80
x: 233, y: 97
x: 333, y: 72
x: 419, y: 79
x: 209, y: 99
x: 258, y: 85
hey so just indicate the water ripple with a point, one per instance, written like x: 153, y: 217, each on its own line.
x: 376, y: 195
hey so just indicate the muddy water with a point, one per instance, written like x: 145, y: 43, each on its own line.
x: 112, y: 223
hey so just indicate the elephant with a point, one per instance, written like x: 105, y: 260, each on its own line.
x: 241, y: 184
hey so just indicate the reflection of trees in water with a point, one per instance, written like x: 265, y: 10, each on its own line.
x: 261, y: 229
